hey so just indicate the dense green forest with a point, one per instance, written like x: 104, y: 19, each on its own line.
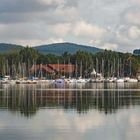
x: 4, y: 47
x: 60, y: 48
x: 110, y: 63
x: 56, y: 49
x: 136, y: 52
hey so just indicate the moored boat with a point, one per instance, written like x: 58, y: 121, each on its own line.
x: 120, y: 80
x: 133, y: 80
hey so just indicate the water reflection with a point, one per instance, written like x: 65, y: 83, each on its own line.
x: 28, y: 99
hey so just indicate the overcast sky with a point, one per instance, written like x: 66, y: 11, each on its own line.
x: 110, y: 24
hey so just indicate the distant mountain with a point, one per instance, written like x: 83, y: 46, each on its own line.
x: 8, y: 47
x: 136, y: 52
x: 56, y: 49
x: 60, y: 48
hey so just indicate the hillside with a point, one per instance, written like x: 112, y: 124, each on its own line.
x: 60, y: 48
x: 136, y: 52
x: 8, y: 47
x: 56, y: 49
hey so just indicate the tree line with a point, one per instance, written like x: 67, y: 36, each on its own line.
x: 107, y: 62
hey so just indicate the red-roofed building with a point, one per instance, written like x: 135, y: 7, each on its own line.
x: 53, y: 68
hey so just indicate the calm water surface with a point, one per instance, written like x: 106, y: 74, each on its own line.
x: 38, y: 112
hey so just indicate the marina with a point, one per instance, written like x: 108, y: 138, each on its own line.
x: 68, y: 81
x: 70, y: 70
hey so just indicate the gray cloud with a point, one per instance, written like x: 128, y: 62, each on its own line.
x: 48, y: 11
x: 12, y: 11
x: 24, y: 6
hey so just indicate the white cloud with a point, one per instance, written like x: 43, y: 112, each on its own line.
x: 109, y: 46
x: 122, y: 38
x: 133, y: 17
x: 136, y: 1
x: 54, y: 40
x: 104, y: 45
x: 128, y: 35
x: 134, y: 32
x: 36, y: 42
x: 52, y: 2
x: 86, y: 29
x: 61, y: 29
x: 2, y: 27
x: 66, y: 14
x: 95, y: 42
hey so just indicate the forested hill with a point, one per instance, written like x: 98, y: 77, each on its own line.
x: 8, y: 47
x: 56, y: 49
x: 136, y: 52
x: 61, y: 48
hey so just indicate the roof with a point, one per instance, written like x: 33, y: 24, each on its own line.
x: 51, y: 68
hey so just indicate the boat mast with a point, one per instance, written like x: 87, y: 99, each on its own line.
x: 81, y: 69
x: 130, y: 63
x: 76, y: 70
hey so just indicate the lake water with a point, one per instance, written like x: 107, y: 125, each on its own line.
x: 77, y: 112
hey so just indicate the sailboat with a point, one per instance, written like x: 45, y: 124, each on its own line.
x: 131, y: 80
x: 95, y: 76
x: 119, y: 78
x: 81, y: 79
x: 71, y: 80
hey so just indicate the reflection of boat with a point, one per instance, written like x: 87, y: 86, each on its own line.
x: 43, y: 81
x: 120, y: 85
x: 107, y: 99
